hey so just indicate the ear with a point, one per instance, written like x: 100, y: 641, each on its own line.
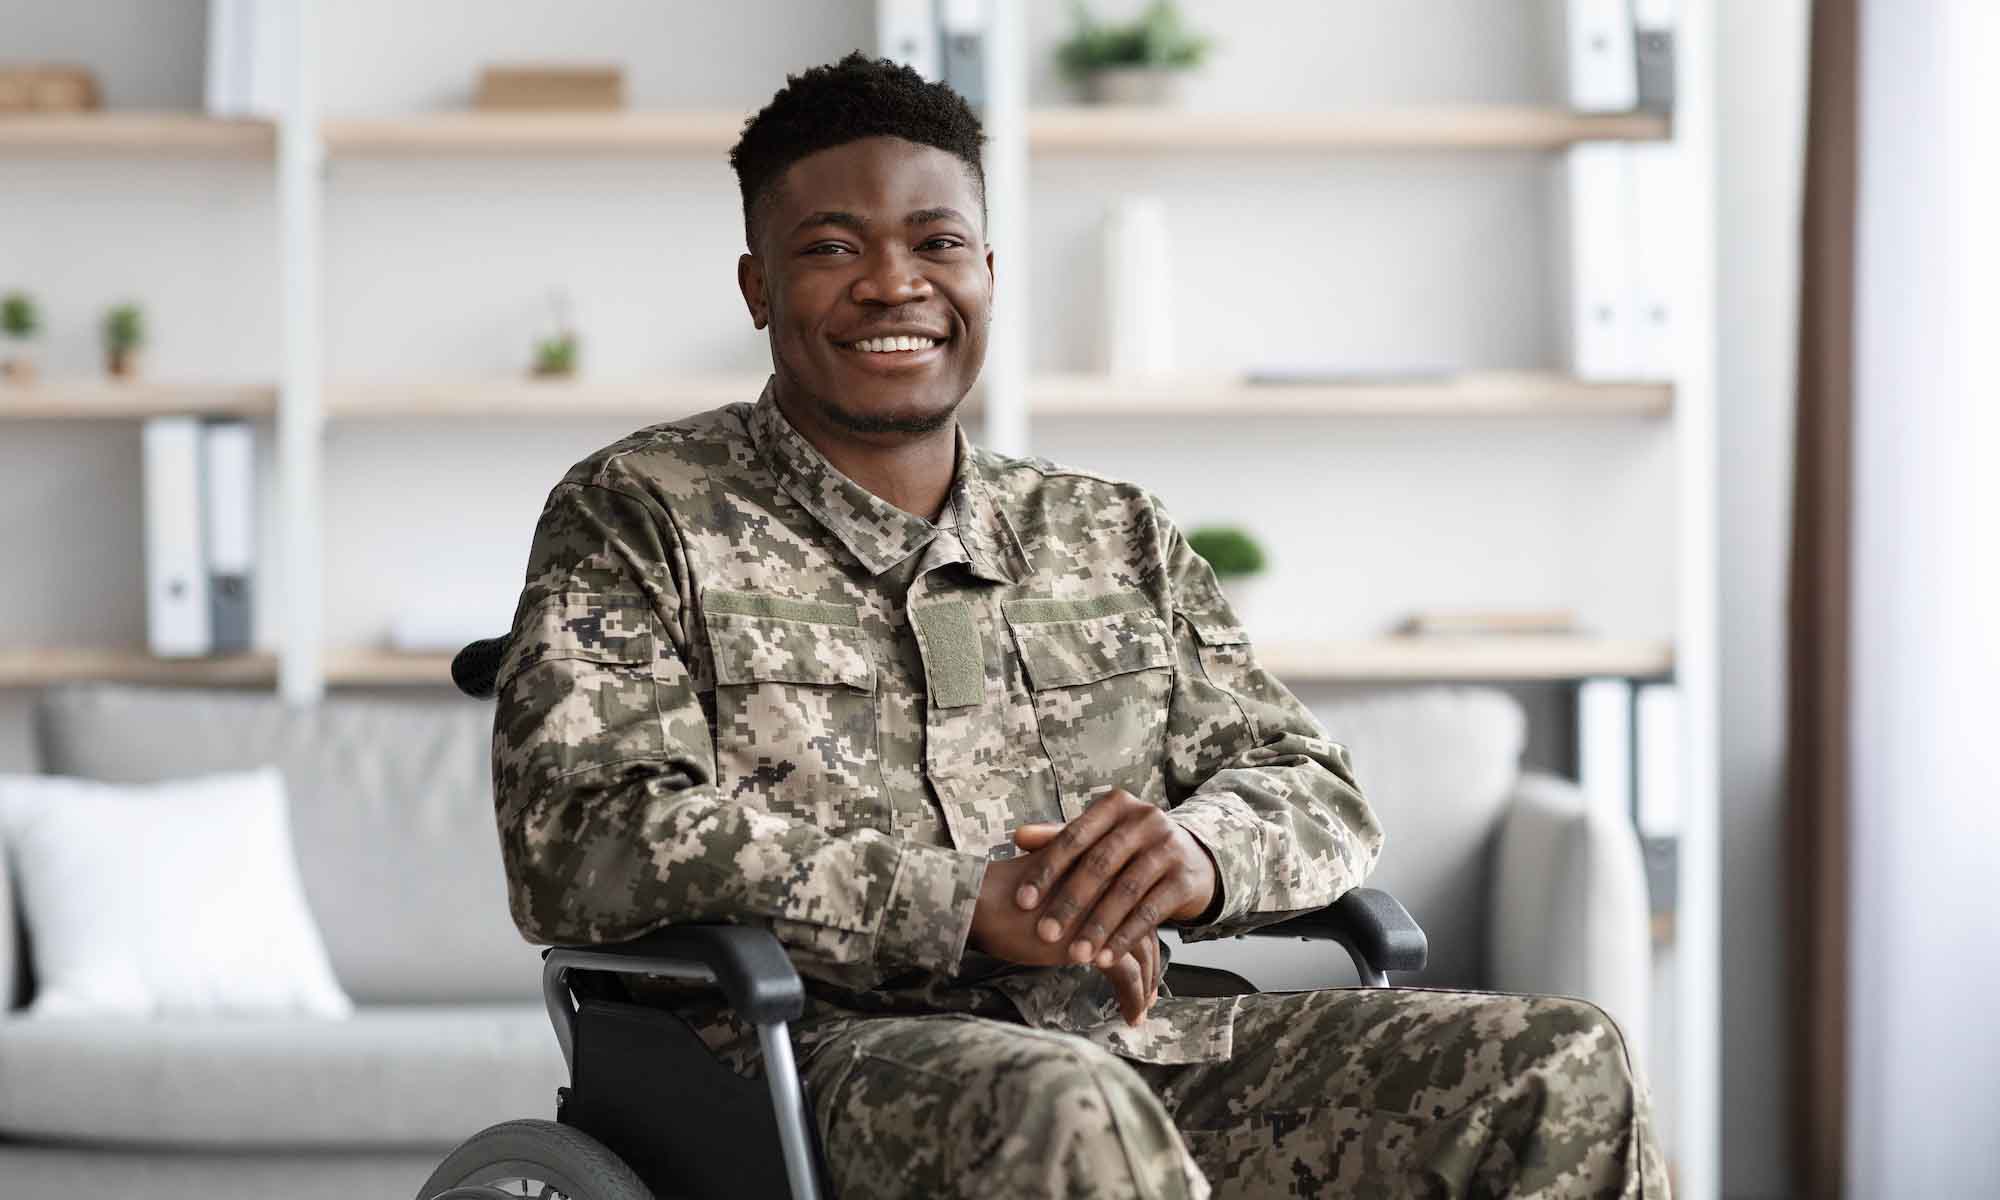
x: 750, y: 281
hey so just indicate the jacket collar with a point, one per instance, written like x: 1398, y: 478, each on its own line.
x: 878, y: 534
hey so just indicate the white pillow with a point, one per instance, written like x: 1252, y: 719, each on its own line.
x: 178, y: 898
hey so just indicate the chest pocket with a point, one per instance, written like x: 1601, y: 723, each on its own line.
x: 1101, y: 672
x: 795, y: 729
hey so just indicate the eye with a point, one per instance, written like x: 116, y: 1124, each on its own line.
x: 941, y: 242
x: 827, y: 249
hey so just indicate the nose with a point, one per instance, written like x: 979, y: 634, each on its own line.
x: 890, y: 276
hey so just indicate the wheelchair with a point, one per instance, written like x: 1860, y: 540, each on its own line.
x: 651, y: 1114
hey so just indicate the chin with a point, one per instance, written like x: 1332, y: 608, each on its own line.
x: 892, y: 415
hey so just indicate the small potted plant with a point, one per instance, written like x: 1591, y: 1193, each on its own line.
x: 124, y: 334
x: 555, y: 355
x: 20, y: 320
x: 1237, y: 559
x: 1139, y: 63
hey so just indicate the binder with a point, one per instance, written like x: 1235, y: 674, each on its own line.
x: 230, y: 526
x: 1657, y: 208
x: 177, y: 606
x: 228, y: 52
x: 1602, y: 72
x: 906, y: 31
x: 1604, y: 746
x: 1653, y: 43
x: 961, y: 48
x: 1661, y: 780
x: 1593, y: 241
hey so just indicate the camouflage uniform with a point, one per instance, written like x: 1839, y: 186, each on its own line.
x: 743, y: 688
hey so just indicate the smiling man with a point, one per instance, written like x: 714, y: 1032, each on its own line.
x: 965, y: 732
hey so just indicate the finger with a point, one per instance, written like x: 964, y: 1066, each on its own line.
x: 1036, y: 834
x: 1144, y: 922
x: 1071, y: 840
x: 1149, y: 962
x: 1122, y: 896
x: 1128, y: 981
x: 1087, y: 879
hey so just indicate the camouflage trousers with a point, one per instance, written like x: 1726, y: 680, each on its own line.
x: 1341, y: 1092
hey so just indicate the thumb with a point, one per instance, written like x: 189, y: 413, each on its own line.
x: 1035, y: 836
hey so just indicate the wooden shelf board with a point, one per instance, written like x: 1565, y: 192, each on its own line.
x: 119, y: 131
x: 1511, y: 657
x: 1485, y: 127
x: 663, y: 398
x: 1473, y: 394
x: 104, y: 399
x: 42, y: 667
x: 473, y: 132
x: 1052, y: 130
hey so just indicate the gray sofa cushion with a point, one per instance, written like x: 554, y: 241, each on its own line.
x: 392, y: 816
x: 415, y: 1075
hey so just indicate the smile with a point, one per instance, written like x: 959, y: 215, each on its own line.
x: 894, y: 345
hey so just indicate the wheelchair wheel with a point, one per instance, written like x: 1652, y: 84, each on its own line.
x: 535, y: 1160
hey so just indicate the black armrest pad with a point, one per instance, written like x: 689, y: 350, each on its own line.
x: 1371, y: 920
x: 749, y: 965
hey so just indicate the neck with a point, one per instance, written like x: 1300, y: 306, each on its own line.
x: 912, y: 471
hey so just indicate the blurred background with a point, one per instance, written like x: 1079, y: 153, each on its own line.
x: 1649, y: 576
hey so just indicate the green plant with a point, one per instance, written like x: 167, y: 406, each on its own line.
x: 18, y: 315
x: 1156, y: 39
x: 556, y: 355
x: 124, y: 327
x: 1231, y: 551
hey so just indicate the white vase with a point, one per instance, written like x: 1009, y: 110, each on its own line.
x: 1133, y: 85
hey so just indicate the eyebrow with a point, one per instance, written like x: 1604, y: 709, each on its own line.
x: 859, y: 224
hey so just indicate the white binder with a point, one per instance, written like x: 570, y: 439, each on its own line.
x: 906, y: 31
x: 1593, y: 241
x: 1604, y: 745
x: 1603, y: 73
x: 177, y: 616
x: 1661, y: 783
x: 1657, y: 210
x: 229, y: 509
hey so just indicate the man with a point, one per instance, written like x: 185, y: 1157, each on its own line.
x: 965, y: 731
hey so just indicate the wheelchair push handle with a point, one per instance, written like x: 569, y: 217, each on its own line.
x: 476, y: 669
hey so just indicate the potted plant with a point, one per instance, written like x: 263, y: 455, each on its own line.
x: 555, y: 355
x: 124, y: 333
x: 20, y: 319
x: 1139, y: 63
x: 1237, y: 559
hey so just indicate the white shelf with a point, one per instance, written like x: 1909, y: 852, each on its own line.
x: 111, y: 399
x: 663, y: 397
x: 1471, y: 394
x: 134, y: 132
x: 1175, y: 131
x: 473, y: 132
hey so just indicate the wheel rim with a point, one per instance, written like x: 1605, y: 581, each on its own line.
x: 511, y: 1180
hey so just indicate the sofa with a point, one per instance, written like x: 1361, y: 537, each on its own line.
x: 1519, y: 885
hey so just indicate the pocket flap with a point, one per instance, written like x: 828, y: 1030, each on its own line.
x: 759, y: 638
x: 1068, y: 642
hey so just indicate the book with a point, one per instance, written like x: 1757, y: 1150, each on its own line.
x: 1604, y: 746
x: 569, y: 87
x: 229, y: 512
x: 1599, y: 54
x: 177, y: 604
x: 1595, y: 248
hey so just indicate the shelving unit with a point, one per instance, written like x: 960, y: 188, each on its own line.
x: 1497, y: 394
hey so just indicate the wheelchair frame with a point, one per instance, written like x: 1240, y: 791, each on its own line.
x: 749, y: 966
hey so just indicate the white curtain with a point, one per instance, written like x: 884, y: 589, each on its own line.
x: 1924, y: 1086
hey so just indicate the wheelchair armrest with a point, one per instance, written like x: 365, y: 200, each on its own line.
x: 744, y: 961
x: 1373, y: 927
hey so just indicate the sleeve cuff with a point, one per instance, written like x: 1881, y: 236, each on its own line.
x: 928, y: 916
x: 1227, y: 829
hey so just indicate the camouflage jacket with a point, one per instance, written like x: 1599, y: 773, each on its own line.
x: 742, y: 688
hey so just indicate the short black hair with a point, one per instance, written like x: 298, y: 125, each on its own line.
x: 857, y: 97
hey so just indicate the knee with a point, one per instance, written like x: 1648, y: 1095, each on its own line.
x: 1577, y: 1040
x: 1091, y: 1120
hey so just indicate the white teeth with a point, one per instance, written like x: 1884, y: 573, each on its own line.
x: 886, y: 345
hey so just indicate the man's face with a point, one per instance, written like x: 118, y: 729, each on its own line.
x: 872, y: 240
